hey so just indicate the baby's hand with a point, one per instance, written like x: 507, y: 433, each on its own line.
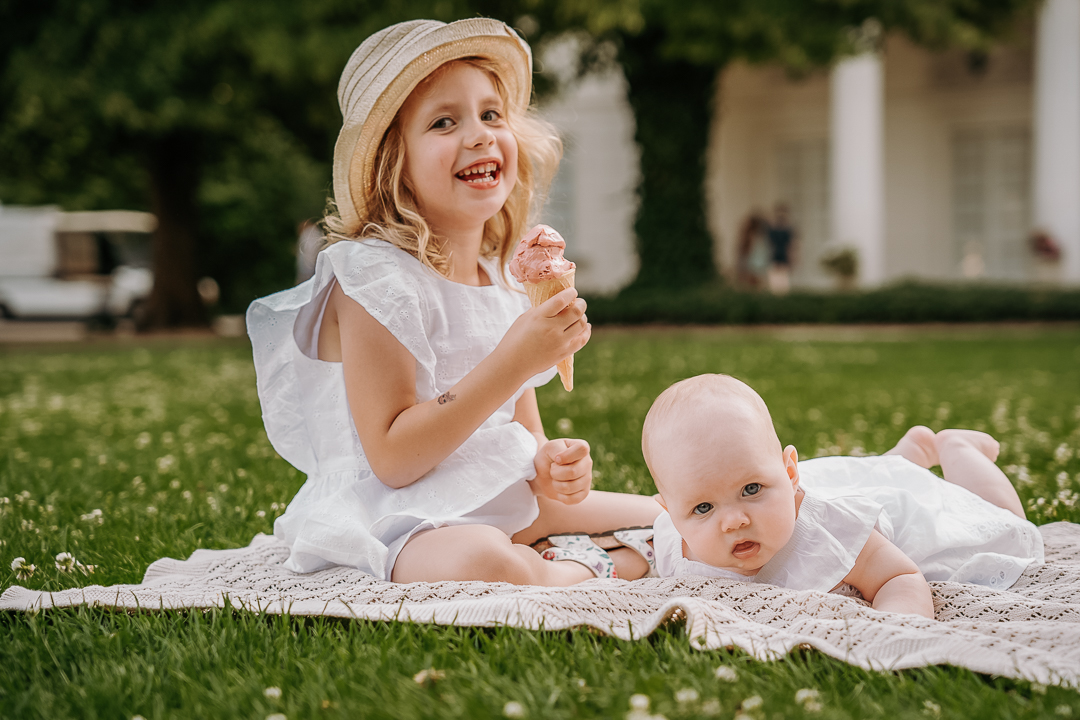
x: 563, y: 470
x: 548, y: 333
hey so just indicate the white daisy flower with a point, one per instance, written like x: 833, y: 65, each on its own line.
x: 726, y: 673
x: 65, y: 562
x: 752, y: 703
x: 23, y: 570
x: 428, y: 675
x: 686, y: 695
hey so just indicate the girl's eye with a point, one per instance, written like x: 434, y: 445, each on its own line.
x: 703, y: 508
x: 490, y: 116
x: 751, y: 489
x: 441, y: 124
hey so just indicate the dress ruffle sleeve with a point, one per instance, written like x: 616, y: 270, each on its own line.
x: 270, y: 323
x: 382, y: 279
x: 287, y: 322
x: 829, y: 534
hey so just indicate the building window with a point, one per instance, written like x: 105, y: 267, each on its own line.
x: 991, y: 174
x: 803, y: 185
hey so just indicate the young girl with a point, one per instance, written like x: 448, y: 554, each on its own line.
x: 740, y: 507
x: 401, y: 377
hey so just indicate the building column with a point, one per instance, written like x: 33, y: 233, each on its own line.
x: 1056, y: 166
x: 856, y: 171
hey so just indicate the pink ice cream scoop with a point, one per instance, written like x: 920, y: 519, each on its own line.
x: 539, y: 256
x: 539, y: 265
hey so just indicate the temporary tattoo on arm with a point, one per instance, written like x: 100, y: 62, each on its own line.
x: 445, y: 398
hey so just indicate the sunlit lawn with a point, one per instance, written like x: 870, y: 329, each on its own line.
x: 120, y: 454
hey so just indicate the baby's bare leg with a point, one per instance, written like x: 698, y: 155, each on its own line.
x: 918, y: 446
x: 480, y: 552
x: 967, y: 459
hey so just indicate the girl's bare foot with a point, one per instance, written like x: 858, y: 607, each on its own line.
x: 919, y: 446
x: 982, y: 442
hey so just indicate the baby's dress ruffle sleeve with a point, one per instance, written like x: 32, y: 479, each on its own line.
x: 829, y: 534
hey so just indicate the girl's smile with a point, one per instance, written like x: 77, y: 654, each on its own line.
x: 484, y: 174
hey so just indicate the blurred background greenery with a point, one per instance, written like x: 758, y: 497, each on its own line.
x: 219, y: 116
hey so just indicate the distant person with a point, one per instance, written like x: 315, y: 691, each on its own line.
x: 309, y: 242
x: 782, y: 238
x: 753, y: 252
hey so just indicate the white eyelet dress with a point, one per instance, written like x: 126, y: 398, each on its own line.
x: 343, y: 514
x: 950, y: 533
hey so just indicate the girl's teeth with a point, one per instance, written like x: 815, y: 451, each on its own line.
x: 480, y: 173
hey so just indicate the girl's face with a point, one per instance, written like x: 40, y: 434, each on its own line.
x: 460, y: 154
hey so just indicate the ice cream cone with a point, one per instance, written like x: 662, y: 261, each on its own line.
x: 543, y: 291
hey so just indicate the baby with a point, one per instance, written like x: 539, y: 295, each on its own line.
x: 739, y: 506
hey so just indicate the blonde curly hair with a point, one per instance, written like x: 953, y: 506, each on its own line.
x: 392, y: 213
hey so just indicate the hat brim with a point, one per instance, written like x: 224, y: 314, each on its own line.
x: 355, y: 150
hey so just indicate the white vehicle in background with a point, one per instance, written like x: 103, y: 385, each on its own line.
x: 73, y: 265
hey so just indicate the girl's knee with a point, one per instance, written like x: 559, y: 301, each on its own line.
x: 477, y: 552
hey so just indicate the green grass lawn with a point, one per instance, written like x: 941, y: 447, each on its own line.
x: 120, y: 454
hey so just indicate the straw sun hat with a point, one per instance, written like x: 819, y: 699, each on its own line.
x: 384, y: 70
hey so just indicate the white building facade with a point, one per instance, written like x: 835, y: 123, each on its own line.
x: 934, y: 166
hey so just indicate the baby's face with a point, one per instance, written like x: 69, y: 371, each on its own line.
x: 733, y: 501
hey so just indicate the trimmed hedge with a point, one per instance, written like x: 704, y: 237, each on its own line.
x: 903, y: 303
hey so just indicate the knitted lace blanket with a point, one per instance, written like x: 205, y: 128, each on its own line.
x: 1030, y: 631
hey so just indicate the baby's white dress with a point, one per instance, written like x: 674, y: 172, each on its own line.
x: 949, y: 532
x: 343, y: 514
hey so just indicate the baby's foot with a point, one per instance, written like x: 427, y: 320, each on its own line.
x: 918, y: 445
x: 982, y: 442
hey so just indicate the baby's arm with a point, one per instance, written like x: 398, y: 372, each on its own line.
x: 889, y: 579
x: 404, y: 439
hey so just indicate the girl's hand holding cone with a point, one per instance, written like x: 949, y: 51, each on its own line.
x: 549, y: 333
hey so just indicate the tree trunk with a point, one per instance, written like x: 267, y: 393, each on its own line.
x: 174, y: 178
x: 671, y: 101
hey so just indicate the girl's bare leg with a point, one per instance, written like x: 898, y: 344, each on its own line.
x: 598, y: 513
x: 480, y: 552
x: 967, y: 459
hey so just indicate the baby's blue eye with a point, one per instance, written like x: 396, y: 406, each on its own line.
x: 703, y: 508
x: 751, y: 489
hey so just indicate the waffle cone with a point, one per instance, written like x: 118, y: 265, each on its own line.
x: 541, y: 292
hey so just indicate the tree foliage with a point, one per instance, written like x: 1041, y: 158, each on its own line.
x: 220, y: 115
x: 217, y: 115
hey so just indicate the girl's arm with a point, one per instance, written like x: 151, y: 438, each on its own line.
x: 403, y: 439
x: 563, y: 465
x: 889, y: 579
